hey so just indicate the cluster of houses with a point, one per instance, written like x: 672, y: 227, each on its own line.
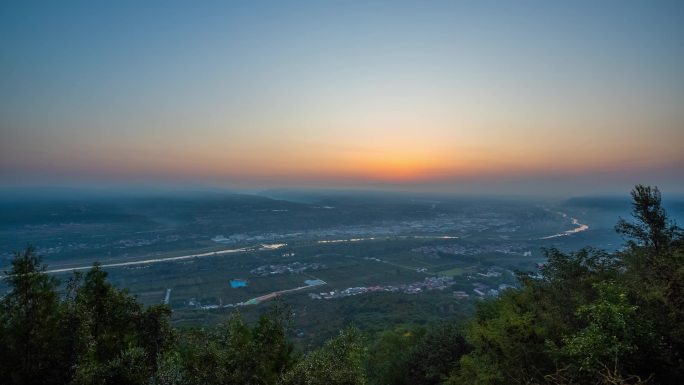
x: 451, y: 223
x: 482, y: 290
x: 459, y: 249
x: 292, y: 268
x: 491, y: 273
x: 430, y: 283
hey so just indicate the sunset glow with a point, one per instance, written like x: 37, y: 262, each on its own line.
x: 344, y: 94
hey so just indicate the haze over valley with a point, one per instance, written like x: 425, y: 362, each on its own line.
x: 189, y: 249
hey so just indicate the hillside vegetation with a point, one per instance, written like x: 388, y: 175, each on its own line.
x: 587, y: 317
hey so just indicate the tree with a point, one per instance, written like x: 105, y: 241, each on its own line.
x: 155, y: 334
x: 28, y: 322
x: 611, y: 332
x: 239, y: 353
x: 338, y: 362
x: 514, y: 337
x: 437, y: 354
x: 652, y: 228
x: 390, y: 354
x: 654, y: 276
x: 121, y: 340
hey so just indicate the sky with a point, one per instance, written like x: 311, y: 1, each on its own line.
x: 457, y: 96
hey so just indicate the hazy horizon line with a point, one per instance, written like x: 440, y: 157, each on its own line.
x: 129, y: 189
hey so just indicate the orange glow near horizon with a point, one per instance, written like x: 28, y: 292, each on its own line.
x: 401, y: 162
x: 303, y: 166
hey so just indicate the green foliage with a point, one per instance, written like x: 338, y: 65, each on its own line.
x: 121, y: 340
x: 390, y: 354
x: 508, y: 341
x: 29, y: 320
x: 415, y: 355
x: 654, y: 279
x: 170, y: 370
x: 514, y: 336
x: 436, y: 355
x: 96, y: 334
x: 237, y: 353
x: 610, y: 333
x: 338, y: 362
x: 652, y: 229
x: 129, y: 367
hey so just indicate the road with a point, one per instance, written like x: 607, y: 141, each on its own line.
x: 167, y: 297
x: 171, y: 259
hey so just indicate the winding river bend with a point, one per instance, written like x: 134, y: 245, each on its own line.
x: 579, y: 227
